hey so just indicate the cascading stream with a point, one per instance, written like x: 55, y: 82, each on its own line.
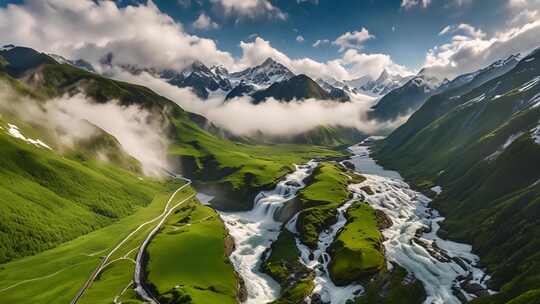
x: 448, y: 270
x: 319, y: 259
x: 255, y: 230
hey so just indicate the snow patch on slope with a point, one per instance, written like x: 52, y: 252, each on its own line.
x: 529, y: 84
x: 536, y: 134
x: 15, y: 132
x: 506, y: 144
x: 437, y: 189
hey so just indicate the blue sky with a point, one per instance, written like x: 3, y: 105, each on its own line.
x: 400, y: 36
x: 415, y: 31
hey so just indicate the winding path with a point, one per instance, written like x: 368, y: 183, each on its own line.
x: 138, y: 263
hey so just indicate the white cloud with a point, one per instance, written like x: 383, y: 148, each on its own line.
x: 353, y: 40
x: 351, y: 65
x: 464, y: 28
x: 272, y: 117
x: 320, y: 42
x: 86, y: 29
x: 370, y: 64
x: 250, y: 9
x: 408, y: 4
x: 412, y: 3
x: 474, y: 50
x: 142, y: 35
x: 204, y: 22
x: 68, y: 120
x: 300, y: 38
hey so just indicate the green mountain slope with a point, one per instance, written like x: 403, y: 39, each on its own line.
x: 480, y: 148
x: 298, y: 87
x: 48, y: 198
x: 88, y: 193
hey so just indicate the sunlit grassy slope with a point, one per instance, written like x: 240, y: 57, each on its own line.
x: 187, y: 258
x: 54, y: 276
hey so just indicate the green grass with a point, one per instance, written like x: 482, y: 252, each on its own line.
x: 296, y: 293
x: 238, y: 171
x: 357, y: 251
x: 529, y: 297
x: 491, y: 204
x: 390, y: 287
x: 325, y: 192
x: 60, y: 197
x: 189, y: 253
x: 77, y: 259
x: 284, y: 259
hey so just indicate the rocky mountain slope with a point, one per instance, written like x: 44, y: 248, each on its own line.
x: 481, y: 147
x: 408, y: 98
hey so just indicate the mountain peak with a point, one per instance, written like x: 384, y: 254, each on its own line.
x: 269, y: 61
x: 383, y: 76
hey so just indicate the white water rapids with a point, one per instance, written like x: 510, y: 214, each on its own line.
x: 254, y: 231
x: 411, y: 241
x: 439, y: 264
x: 319, y: 259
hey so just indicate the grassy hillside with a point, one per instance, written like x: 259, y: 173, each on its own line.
x: 393, y: 287
x: 54, y: 276
x: 326, y: 191
x: 60, y: 197
x: 480, y: 150
x: 357, y: 251
x: 234, y: 172
x: 187, y: 258
x: 283, y: 265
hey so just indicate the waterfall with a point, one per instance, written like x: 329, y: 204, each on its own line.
x: 255, y: 230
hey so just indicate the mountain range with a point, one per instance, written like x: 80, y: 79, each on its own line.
x: 70, y: 203
x: 479, y: 143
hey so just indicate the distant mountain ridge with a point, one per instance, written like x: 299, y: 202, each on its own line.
x: 408, y: 98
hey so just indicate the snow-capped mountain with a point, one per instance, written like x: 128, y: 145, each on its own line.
x: 495, y: 69
x: 200, y: 78
x: 263, y: 75
x: 385, y: 83
x: 406, y: 98
x: 412, y: 95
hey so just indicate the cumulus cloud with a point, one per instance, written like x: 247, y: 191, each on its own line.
x: 473, y: 49
x: 250, y: 9
x: 71, y: 119
x: 204, y: 22
x: 142, y: 35
x: 90, y: 30
x: 352, y: 64
x: 272, y: 117
x: 300, y: 38
x: 353, y: 39
x: 370, y: 64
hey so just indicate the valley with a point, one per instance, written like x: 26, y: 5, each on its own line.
x: 166, y: 153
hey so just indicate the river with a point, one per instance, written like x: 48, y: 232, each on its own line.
x: 448, y: 270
